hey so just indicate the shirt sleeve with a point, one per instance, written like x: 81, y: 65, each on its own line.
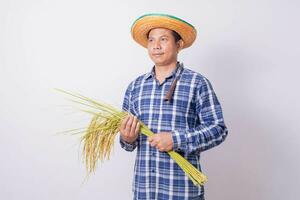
x: 128, y: 108
x: 127, y: 146
x: 211, y: 130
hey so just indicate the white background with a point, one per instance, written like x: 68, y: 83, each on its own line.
x: 248, y: 50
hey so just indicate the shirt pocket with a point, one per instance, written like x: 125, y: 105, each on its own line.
x: 183, y: 105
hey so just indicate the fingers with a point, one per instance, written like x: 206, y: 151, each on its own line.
x: 133, y: 126
x: 150, y: 138
x: 128, y: 125
x: 162, y: 141
x: 123, y: 124
x: 129, y: 128
x: 137, y: 128
x: 153, y: 141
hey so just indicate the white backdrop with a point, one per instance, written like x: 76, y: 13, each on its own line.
x: 248, y: 50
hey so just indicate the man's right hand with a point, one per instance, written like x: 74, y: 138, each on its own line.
x: 129, y: 129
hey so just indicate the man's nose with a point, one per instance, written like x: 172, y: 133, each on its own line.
x: 156, y: 45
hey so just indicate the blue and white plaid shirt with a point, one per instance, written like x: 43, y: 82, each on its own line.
x: 194, y: 117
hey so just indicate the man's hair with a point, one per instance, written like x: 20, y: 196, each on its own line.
x: 176, y: 36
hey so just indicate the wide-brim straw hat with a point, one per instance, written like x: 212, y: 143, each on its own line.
x: 141, y: 27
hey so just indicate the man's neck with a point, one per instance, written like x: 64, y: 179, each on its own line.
x: 161, y: 72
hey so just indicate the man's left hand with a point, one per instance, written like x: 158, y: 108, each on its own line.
x: 163, y: 141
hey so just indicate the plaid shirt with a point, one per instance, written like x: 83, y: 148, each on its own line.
x: 194, y: 117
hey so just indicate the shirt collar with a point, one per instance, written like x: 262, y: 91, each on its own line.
x: 175, y: 72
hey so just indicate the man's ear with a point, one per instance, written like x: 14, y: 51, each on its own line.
x: 180, y: 44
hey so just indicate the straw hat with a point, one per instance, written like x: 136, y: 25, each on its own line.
x: 145, y: 23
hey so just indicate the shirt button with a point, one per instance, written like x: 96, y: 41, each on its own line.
x: 153, y: 170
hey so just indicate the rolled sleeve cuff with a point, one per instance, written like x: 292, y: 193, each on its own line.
x: 179, y: 140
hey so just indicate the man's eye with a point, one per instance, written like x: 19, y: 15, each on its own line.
x: 163, y: 39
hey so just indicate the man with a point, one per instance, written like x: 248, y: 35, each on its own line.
x: 177, y: 104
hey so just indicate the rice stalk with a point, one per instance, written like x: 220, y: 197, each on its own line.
x: 98, y: 138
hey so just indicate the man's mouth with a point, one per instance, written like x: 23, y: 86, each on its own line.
x: 157, y: 54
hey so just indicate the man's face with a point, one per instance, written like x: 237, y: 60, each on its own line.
x: 162, y: 48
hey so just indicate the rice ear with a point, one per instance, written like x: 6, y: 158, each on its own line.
x: 99, y: 136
